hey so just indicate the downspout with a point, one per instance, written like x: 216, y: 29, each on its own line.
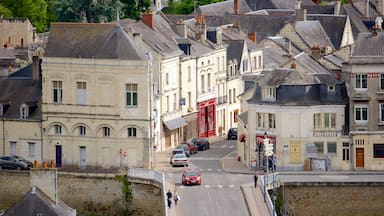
x: 41, y: 140
x: 3, y: 137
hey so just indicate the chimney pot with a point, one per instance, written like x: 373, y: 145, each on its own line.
x: 236, y: 6
x: 148, y: 19
x: 44, y: 165
x: 35, y: 164
x: 293, y: 65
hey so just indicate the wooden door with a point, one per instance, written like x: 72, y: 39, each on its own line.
x: 295, y: 151
x: 359, y: 157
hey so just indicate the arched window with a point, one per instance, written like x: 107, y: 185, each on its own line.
x: 106, y: 131
x: 57, y: 129
x: 82, y: 130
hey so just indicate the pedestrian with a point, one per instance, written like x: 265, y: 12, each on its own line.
x: 176, y: 198
x: 169, y: 194
x: 169, y: 202
x: 255, y: 180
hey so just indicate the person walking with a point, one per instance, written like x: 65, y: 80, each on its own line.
x: 169, y: 202
x: 255, y: 180
x: 176, y: 197
x: 169, y: 198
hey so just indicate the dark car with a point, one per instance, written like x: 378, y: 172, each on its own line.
x: 191, y: 147
x: 191, y: 177
x: 232, y: 134
x: 9, y: 162
x: 186, y: 149
x: 19, y: 158
x: 201, y: 143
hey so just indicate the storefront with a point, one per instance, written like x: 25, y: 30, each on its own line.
x: 207, y: 118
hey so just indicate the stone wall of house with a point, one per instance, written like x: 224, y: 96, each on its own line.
x: 99, y: 194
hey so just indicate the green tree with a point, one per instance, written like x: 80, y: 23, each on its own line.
x: 185, y: 6
x: 134, y: 8
x: 34, y: 10
x: 5, y: 12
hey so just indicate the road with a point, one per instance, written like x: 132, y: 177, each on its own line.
x: 219, y: 193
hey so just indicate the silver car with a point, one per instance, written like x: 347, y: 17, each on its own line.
x: 179, y: 160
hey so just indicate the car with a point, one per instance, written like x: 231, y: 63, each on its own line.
x: 191, y: 177
x: 175, y: 151
x: 9, y: 162
x: 179, y: 160
x: 232, y: 134
x: 186, y: 149
x: 19, y: 158
x: 201, y: 143
x: 191, y: 146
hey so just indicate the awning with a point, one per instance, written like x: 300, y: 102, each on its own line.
x: 175, y: 123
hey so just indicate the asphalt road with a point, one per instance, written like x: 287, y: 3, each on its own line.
x: 220, y: 193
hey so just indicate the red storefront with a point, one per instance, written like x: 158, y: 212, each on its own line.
x: 207, y: 118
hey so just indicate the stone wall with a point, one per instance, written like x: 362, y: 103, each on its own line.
x: 101, y: 195
x: 354, y: 200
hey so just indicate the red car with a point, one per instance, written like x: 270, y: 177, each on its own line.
x: 191, y: 147
x: 191, y: 177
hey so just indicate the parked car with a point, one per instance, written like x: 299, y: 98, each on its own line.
x: 9, y: 162
x: 179, y: 160
x: 232, y: 134
x: 191, y: 177
x: 175, y: 151
x: 191, y: 146
x: 186, y: 149
x: 19, y: 158
x: 201, y: 143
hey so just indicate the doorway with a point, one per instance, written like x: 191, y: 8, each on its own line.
x: 58, y: 155
x: 83, y: 157
x: 359, y: 157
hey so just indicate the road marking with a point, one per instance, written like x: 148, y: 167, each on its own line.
x: 209, y: 169
x: 220, y: 186
x: 207, y: 186
x: 231, y: 186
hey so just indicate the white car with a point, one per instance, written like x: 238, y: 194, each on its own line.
x: 179, y: 160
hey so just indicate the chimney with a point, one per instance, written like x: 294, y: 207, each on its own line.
x: 336, y: 9
x: 148, y: 19
x: 236, y: 6
x: 367, y: 8
x: 219, y: 36
x: 301, y: 14
x: 46, y: 180
x: 252, y: 37
x: 293, y: 65
x: 202, y: 31
x: 316, y: 51
x: 181, y: 29
x: 35, y: 68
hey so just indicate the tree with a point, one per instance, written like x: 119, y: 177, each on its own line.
x: 34, y: 10
x: 134, y: 8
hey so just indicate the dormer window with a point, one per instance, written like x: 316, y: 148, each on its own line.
x: 269, y: 93
x: 24, y: 111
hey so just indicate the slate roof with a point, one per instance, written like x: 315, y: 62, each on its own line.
x: 298, y: 89
x: 283, y: 42
x: 221, y: 8
x: 277, y: 4
x: 313, y: 33
x: 311, y: 64
x: 91, y: 40
x: 356, y: 19
x: 334, y: 60
x: 273, y: 58
x: 235, y: 50
x: 18, y: 91
x: 274, y: 12
x: 333, y: 26
x: 35, y: 202
x: 367, y: 44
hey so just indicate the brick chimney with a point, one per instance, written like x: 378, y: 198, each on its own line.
x: 201, y: 34
x: 236, y: 7
x: 316, y: 51
x: 148, y: 19
x: 293, y: 65
x: 252, y: 37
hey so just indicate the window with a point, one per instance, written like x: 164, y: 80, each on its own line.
x: 82, y: 130
x: 189, y: 100
x: 106, y: 131
x: 218, y: 63
x: 271, y: 120
x: 167, y: 78
x: 13, y: 148
x: 259, y: 61
x: 260, y: 120
x: 254, y: 62
x: 81, y: 93
x: 167, y: 108
x: 202, y: 83
x: 24, y: 111
x: 57, y: 129
x: 381, y: 112
x: 209, y: 82
x: 331, y: 147
x: 57, y: 92
x: 381, y: 84
x: 345, y: 151
x: 361, y: 81
x: 319, y: 147
x: 361, y: 113
x: 269, y: 93
x: 131, y: 132
x: 234, y: 95
x: 378, y: 150
x: 230, y: 96
x: 174, y: 102
x: 316, y: 121
x: 31, y: 147
x: 329, y: 120
x: 235, y: 114
x: 189, y: 73
x: 131, y: 94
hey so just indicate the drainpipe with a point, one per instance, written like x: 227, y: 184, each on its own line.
x: 3, y: 137
x: 41, y: 140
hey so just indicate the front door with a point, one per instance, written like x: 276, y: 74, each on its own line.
x: 359, y: 157
x: 295, y: 151
x: 58, y: 156
x: 83, y: 159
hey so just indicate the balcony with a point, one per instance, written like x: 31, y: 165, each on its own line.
x: 327, y: 133
x: 221, y: 100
